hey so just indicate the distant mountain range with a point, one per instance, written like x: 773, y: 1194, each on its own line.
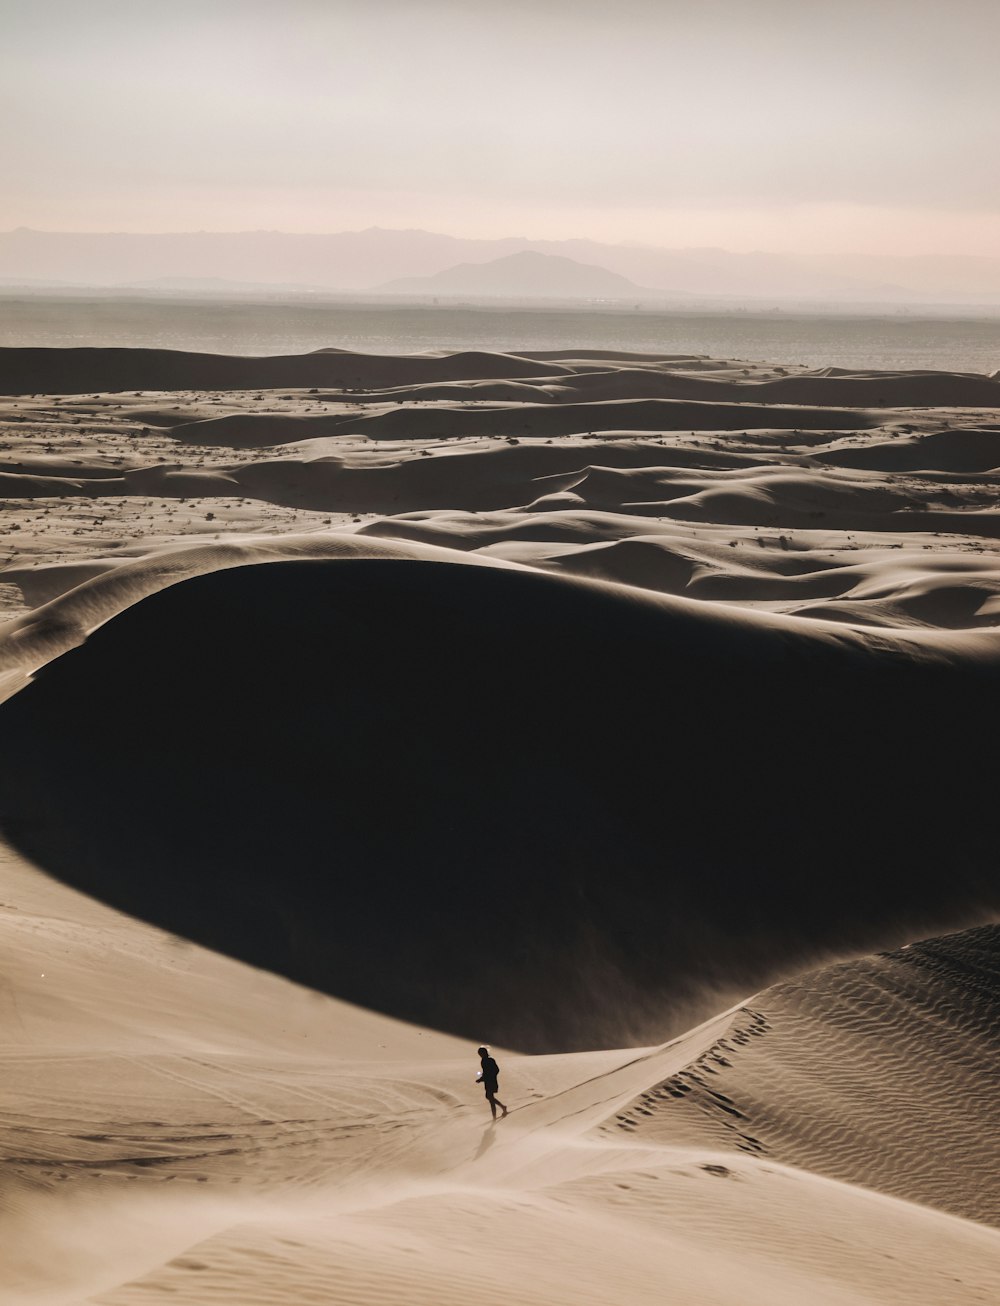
x: 525, y: 275
x: 378, y: 261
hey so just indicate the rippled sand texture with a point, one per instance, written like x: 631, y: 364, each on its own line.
x: 177, y: 1127
x: 864, y: 498
x: 558, y: 702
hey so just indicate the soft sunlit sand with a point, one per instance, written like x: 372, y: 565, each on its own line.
x: 566, y: 702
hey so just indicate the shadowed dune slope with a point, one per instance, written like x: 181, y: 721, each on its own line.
x: 80, y: 371
x: 572, y: 795
x: 962, y: 451
x: 659, y: 380
x: 531, y: 421
x: 586, y: 375
x: 268, y: 1145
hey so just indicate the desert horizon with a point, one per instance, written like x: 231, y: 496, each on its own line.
x: 385, y: 262
x: 499, y: 654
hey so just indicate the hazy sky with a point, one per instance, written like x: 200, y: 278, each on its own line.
x: 857, y: 125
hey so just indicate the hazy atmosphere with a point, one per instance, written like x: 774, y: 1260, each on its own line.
x: 778, y: 125
x: 499, y: 623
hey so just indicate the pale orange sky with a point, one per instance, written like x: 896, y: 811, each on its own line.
x: 782, y: 124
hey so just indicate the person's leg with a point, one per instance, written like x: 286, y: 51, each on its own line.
x: 493, y: 1104
x: 498, y: 1103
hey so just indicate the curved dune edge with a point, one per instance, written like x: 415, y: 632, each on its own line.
x: 839, y: 1071
x: 555, y: 754
x: 890, y: 522
x: 269, y: 1142
x: 525, y: 421
x: 709, y: 711
x: 707, y: 513
x: 85, y: 596
x: 605, y: 374
x: 64, y: 622
x: 80, y: 371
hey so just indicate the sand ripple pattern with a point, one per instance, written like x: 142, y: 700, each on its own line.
x: 883, y: 1072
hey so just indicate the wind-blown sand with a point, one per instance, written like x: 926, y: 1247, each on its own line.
x: 560, y: 701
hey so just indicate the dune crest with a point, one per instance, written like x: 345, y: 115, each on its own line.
x: 558, y: 700
x: 270, y: 1143
x: 358, y: 686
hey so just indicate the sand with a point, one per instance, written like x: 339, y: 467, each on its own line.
x: 560, y: 701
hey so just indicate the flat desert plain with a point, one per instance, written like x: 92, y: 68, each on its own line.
x: 632, y: 714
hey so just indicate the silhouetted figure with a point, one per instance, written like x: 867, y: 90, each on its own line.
x: 489, y: 1077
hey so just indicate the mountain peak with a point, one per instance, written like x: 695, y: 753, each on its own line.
x: 525, y: 274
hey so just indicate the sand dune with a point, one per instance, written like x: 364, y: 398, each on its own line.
x: 486, y: 694
x: 587, y: 373
x: 723, y: 385
x: 837, y: 1072
x: 81, y: 371
x: 526, y: 421
x: 74, y: 599
x: 451, y: 676
x: 828, y: 1140
x: 962, y: 451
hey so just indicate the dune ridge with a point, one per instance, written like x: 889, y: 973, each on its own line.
x: 449, y: 674
x: 566, y: 737
x: 82, y: 370
x: 274, y: 1144
x: 838, y: 1071
x: 524, y: 421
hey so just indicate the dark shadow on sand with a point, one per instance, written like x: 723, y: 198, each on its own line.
x: 504, y: 801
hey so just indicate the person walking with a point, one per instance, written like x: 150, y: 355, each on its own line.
x: 489, y: 1077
